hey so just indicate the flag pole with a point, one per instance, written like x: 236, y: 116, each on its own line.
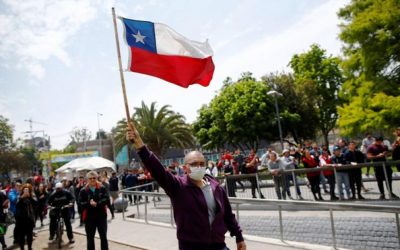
x: 121, y: 74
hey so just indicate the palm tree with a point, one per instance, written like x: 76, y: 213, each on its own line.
x: 160, y: 129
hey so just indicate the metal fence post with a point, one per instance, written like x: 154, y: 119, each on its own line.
x: 145, y: 210
x: 294, y: 184
x: 237, y: 212
x: 333, y: 229
x: 398, y: 227
x: 280, y: 221
x: 123, y: 206
x: 137, y: 205
x: 387, y: 180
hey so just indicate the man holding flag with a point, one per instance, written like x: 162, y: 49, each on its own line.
x: 201, y: 207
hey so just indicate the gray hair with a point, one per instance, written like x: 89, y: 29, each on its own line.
x: 191, y: 154
x: 92, y: 174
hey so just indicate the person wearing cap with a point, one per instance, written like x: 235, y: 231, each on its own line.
x: 289, y: 163
x: 342, y: 175
x: 201, y: 207
x: 377, y: 153
x: 59, y: 198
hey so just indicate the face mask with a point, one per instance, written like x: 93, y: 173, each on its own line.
x: 197, y: 173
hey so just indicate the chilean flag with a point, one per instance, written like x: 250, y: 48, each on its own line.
x: 157, y: 50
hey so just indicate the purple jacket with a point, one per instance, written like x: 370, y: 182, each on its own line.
x: 190, y: 208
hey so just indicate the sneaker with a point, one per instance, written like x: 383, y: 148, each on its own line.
x: 382, y: 197
x: 360, y: 197
x: 71, y: 241
x: 334, y: 198
x: 51, y: 237
x: 301, y: 197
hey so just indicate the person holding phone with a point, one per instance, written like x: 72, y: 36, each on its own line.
x: 25, y: 216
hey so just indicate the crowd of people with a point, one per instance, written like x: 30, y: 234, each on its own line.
x: 347, y: 181
x: 32, y: 200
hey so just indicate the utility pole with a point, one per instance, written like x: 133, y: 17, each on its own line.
x: 98, y: 133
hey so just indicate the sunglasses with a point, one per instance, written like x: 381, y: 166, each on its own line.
x: 92, y: 178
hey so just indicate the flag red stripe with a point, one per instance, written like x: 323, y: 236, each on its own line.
x: 180, y: 70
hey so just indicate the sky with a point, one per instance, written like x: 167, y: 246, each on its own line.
x: 59, y: 68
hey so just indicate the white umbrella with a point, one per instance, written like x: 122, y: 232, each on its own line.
x: 72, y: 165
x: 96, y: 163
x: 87, y: 163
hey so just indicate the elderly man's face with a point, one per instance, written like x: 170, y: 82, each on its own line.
x: 194, y: 159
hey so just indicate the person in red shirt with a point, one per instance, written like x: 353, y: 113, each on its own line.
x: 325, y: 159
x: 313, y: 177
x: 251, y: 168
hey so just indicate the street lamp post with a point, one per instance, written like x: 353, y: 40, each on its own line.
x: 100, y: 139
x: 275, y: 94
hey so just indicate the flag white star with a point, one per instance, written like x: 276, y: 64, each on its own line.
x: 139, y: 37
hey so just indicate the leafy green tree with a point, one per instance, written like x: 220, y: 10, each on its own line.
x: 321, y: 76
x: 6, y: 134
x: 241, y: 114
x: 160, y: 129
x: 294, y: 107
x: 371, y: 33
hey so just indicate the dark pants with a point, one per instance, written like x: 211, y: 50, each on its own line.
x: 254, y: 186
x: 355, y: 180
x: 280, y: 186
x: 231, y: 186
x: 24, y: 229
x: 90, y: 228
x: 289, y: 178
x: 67, y: 223
x: 315, y: 189
x: 39, y: 213
x: 380, y: 177
x: 331, y: 183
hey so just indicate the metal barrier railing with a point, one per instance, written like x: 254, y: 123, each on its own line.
x: 265, y: 175
x: 281, y: 204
